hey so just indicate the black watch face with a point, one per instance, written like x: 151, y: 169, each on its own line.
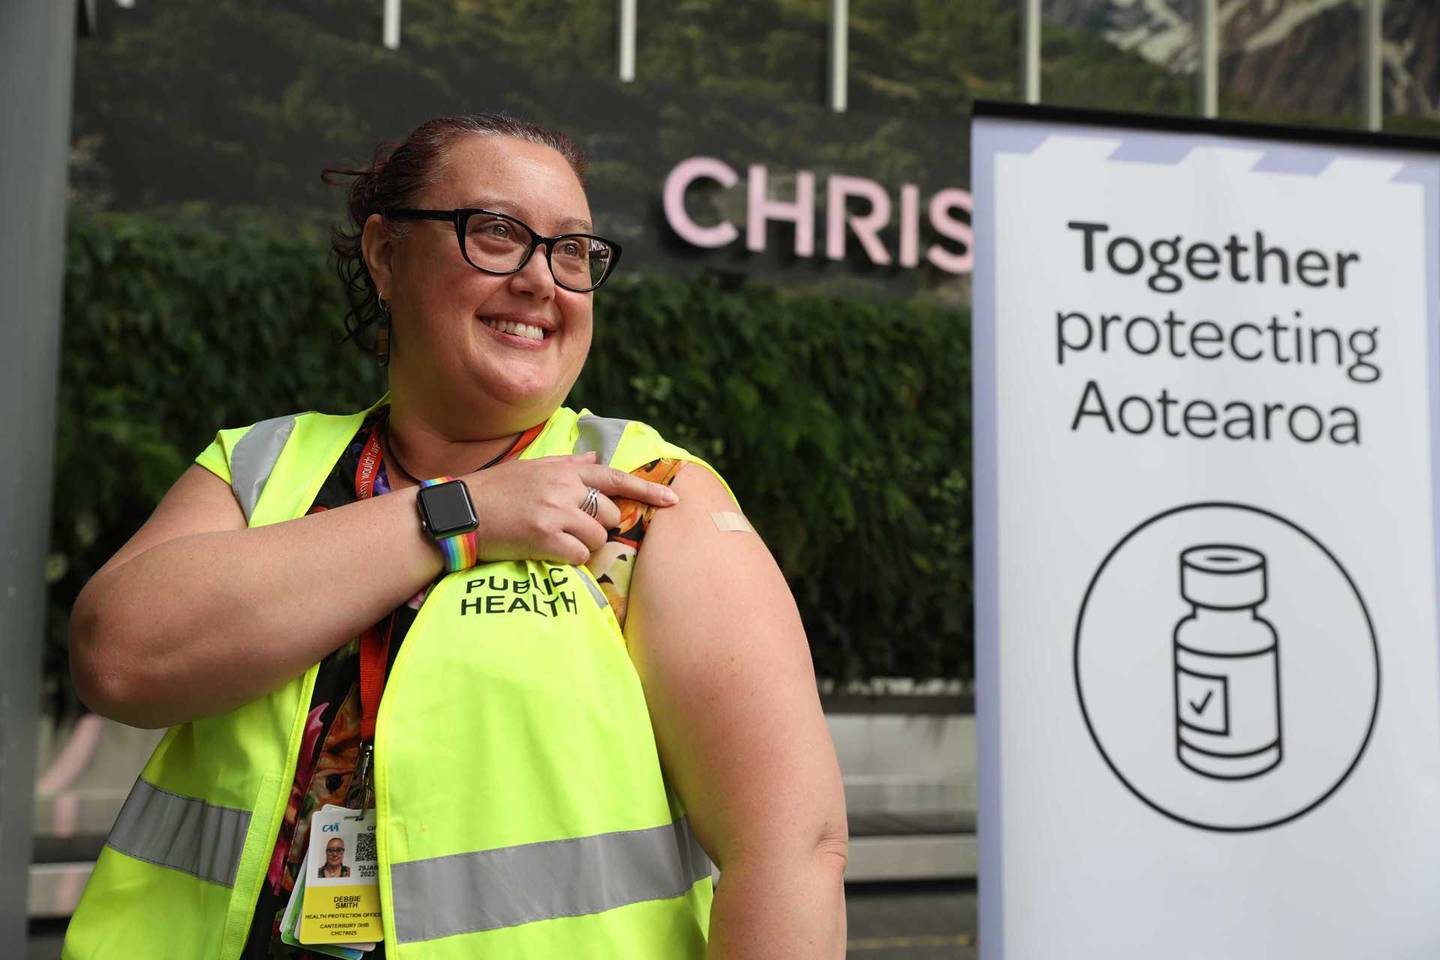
x: 447, y: 509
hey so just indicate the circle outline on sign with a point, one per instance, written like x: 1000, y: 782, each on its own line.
x: 1080, y: 691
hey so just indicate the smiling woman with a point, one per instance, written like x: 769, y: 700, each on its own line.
x: 438, y: 610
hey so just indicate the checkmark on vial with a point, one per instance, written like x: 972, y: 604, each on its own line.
x: 1201, y: 702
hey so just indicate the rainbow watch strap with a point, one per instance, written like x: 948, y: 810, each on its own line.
x: 461, y: 550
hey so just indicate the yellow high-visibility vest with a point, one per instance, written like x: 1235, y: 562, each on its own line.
x: 521, y: 809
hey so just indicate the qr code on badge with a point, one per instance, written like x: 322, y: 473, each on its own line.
x: 365, y: 847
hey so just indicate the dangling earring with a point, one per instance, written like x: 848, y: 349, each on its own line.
x: 382, y: 333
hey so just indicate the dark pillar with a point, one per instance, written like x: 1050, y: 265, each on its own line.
x: 37, y: 48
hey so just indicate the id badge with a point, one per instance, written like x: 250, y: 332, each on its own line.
x: 341, y: 901
x: 290, y: 923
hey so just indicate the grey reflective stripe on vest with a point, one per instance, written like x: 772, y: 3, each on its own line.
x: 470, y: 892
x: 601, y: 434
x: 182, y: 833
x: 596, y: 593
x: 254, y: 457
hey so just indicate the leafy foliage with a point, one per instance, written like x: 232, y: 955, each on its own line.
x: 173, y: 329
x: 843, y: 427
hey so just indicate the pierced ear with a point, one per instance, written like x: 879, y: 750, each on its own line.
x: 377, y: 246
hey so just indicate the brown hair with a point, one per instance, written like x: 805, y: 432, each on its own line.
x: 396, y: 175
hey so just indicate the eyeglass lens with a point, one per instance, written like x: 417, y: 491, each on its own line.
x: 494, y: 242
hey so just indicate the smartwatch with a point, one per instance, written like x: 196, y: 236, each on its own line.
x: 448, y: 517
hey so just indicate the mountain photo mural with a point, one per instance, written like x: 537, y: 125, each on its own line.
x: 1287, y: 60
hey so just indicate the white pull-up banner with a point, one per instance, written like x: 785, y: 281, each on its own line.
x: 1205, y: 367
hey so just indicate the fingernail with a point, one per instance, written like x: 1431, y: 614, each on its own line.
x: 670, y: 495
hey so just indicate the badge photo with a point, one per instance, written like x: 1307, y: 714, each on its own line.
x: 342, y: 898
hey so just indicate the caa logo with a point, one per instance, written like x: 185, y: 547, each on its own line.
x: 330, y: 828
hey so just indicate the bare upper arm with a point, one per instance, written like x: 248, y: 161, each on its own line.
x: 721, y: 652
x: 198, y: 502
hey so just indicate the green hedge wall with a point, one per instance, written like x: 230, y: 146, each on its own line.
x: 842, y: 426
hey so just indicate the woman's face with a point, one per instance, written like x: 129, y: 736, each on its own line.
x: 447, y: 315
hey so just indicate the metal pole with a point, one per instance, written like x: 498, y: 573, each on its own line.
x: 627, y: 41
x: 1208, y: 74
x: 1030, y: 50
x: 37, y: 51
x: 392, y: 25
x: 839, y: 54
x: 1373, y: 83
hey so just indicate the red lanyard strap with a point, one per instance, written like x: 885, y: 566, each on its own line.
x: 374, y: 642
x: 369, y: 466
x: 374, y: 657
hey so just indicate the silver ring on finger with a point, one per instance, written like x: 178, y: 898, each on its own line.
x: 591, y: 503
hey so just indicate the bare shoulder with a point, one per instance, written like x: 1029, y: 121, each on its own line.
x: 721, y: 653
x: 711, y: 616
x: 706, y: 519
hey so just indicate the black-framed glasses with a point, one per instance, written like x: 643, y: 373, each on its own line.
x: 500, y: 244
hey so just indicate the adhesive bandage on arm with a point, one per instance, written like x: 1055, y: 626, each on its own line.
x: 731, y: 523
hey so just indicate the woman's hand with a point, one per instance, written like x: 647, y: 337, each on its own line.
x: 532, y: 509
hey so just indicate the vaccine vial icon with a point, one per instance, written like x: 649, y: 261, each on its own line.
x: 1227, y: 666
